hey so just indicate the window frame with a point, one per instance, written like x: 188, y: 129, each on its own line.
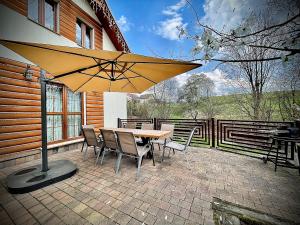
x: 65, y: 113
x: 41, y: 14
x: 84, y: 25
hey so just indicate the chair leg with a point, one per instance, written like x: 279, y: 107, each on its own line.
x: 153, y: 156
x: 95, y: 150
x: 159, y: 147
x: 163, y: 155
x: 82, y: 146
x: 118, y: 163
x: 98, y: 155
x: 139, y: 167
x: 103, y: 154
x: 85, y: 153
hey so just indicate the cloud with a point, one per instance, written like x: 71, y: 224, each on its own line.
x: 223, y: 84
x: 228, y: 14
x: 220, y: 81
x: 124, y: 24
x: 168, y: 27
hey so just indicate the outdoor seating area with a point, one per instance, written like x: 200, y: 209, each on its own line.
x: 167, y: 193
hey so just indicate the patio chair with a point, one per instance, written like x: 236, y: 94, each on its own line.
x: 147, y: 126
x: 84, y: 141
x: 109, y: 143
x: 143, y: 141
x: 130, y: 125
x: 129, y: 148
x: 162, y: 141
x: 179, y: 147
x: 91, y: 140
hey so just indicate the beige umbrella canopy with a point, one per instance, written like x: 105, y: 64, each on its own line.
x: 98, y: 70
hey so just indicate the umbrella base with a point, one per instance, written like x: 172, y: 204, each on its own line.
x: 32, y: 178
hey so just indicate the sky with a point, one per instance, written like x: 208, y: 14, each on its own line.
x: 149, y: 28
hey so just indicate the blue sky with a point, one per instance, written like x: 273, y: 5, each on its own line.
x: 149, y: 27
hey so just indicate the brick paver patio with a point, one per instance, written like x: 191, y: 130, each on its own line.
x: 167, y: 193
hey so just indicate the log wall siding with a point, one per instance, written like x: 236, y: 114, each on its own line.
x: 94, y: 108
x: 20, y: 115
x: 19, y: 6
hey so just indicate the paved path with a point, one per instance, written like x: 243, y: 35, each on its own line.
x: 168, y: 193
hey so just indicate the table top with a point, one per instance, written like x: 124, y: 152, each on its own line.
x: 142, y: 133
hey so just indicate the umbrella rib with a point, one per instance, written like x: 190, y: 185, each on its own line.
x: 129, y: 82
x: 102, y: 68
x: 123, y: 78
x: 78, y: 70
x: 125, y: 70
x: 166, y: 63
x: 93, y: 75
x: 142, y: 76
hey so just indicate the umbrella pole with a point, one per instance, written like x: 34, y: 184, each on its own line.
x: 44, y: 121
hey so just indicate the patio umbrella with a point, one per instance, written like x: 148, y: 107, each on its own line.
x: 98, y: 70
x: 85, y: 70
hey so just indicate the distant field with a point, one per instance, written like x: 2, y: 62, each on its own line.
x: 228, y: 108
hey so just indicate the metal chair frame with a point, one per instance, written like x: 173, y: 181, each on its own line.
x: 179, y: 147
x: 134, y: 154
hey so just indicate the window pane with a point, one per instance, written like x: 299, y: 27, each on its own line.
x: 88, y: 38
x: 74, y: 125
x: 33, y: 10
x: 49, y: 14
x: 74, y: 101
x: 54, y: 127
x: 54, y: 98
x: 78, y: 33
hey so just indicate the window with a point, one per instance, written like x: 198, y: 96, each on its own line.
x: 43, y: 12
x: 83, y: 34
x: 74, y: 113
x: 63, y: 113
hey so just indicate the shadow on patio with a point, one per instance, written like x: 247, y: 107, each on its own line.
x: 167, y: 193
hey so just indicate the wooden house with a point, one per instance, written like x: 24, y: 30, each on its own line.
x: 85, y: 23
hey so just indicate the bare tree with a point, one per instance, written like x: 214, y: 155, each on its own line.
x: 252, y: 77
x: 288, y: 96
x: 196, y: 95
x: 164, y: 95
x: 286, y: 33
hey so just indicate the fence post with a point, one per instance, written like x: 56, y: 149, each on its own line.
x: 119, y: 123
x: 213, y: 135
x: 155, y: 123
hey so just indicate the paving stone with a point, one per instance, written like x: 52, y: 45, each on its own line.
x: 96, y: 218
x: 139, y: 214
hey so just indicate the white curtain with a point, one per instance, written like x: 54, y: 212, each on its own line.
x: 74, y: 121
x: 54, y: 104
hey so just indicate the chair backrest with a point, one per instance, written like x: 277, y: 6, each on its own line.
x: 89, y: 136
x: 109, y: 139
x: 147, y: 126
x: 127, y: 143
x: 130, y: 125
x: 188, y: 142
x: 168, y: 127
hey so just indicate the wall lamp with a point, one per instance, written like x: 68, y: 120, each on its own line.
x: 28, y: 73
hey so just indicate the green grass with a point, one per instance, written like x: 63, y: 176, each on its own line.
x: 228, y: 108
